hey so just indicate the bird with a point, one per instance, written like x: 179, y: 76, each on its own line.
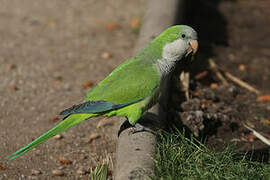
x: 133, y: 87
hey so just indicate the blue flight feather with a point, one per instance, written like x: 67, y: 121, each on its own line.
x: 94, y: 107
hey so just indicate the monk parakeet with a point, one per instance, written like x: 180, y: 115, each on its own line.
x: 133, y: 87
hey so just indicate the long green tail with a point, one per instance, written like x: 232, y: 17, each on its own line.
x: 67, y: 123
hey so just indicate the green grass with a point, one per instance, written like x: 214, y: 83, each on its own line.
x: 180, y: 158
x: 99, y: 173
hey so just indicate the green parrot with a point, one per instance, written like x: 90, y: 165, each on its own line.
x: 133, y: 87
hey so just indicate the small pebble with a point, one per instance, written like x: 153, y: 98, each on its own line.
x: 61, y: 167
x: 92, y: 137
x: 81, y: 172
x: 12, y: 66
x: 106, y: 55
x: 32, y: 177
x: 35, y: 172
x: 105, y: 122
x: 82, y: 157
x: 14, y: 88
x: 58, y: 172
x: 58, y: 136
x: 63, y: 160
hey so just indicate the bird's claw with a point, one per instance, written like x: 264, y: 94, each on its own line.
x: 140, y: 128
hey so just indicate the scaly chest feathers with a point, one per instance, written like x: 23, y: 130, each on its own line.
x: 171, y: 53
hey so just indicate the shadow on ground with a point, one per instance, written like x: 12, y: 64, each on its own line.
x: 215, y: 115
x: 211, y: 25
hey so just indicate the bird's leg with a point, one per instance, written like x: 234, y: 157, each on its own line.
x: 140, y: 128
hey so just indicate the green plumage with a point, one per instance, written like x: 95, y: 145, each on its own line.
x: 70, y: 121
x: 130, y: 90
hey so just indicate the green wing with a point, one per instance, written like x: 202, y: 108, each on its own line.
x: 133, y: 80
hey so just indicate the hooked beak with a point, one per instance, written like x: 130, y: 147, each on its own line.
x: 193, y: 47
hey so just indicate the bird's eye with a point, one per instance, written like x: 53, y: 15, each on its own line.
x: 183, y: 35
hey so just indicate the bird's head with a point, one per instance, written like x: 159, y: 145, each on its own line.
x: 179, y: 41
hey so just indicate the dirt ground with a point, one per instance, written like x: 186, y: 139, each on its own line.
x: 51, y: 52
x: 50, y: 49
x: 235, y: 34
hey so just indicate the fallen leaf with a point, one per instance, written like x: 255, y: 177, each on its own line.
x: 201, y: 75
x: 242, y: 67
x: 196, y: 93
x: 58, y: 79
x: 87, y: 84
x: 263, y: 98
x: 267, y: 121
x: 63, y: 160
x: 55, y: 119
x: 14, y: 88
x: 111, y: 26
x: 213, y: 85
x: 2, y: 168
x: 135, y: 23
x: 97, y: 21
x: 250, y: 137
x: 51, y: 21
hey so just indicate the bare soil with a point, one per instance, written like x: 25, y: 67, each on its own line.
x: 235, y: 34
x: 51, y: 54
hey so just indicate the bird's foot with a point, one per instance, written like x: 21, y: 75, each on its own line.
x: 140, y: 128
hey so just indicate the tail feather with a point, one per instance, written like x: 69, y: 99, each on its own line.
x: 67, y: 123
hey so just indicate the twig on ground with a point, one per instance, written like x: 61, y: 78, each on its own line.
x: 242, y: 83
x: 236, y: 80
x: 215, y: 68
x: 258, y: 135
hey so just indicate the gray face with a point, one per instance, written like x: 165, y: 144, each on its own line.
x: 187, y: 34
x: 174, y: 51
